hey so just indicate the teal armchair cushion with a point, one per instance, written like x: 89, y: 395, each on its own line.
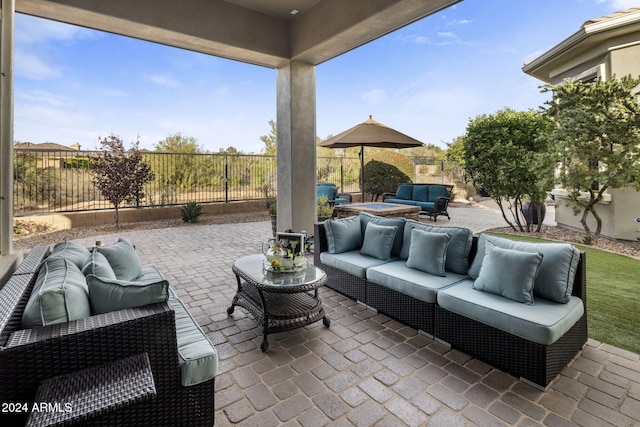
x: 108, y: 295
x: 328, y: 190
x: 509, y: 273
x: 404, y: 191
x: 343, y: 235
x: 59, y: 295
x: 123, y: 259
x: 557, y: 271
x: 74, y: 252
x: 197, y: 357
x: 428, y: 251
x: 378, y: 241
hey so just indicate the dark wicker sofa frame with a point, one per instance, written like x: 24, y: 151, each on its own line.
x: 29, y: 356
x: 533, y: 362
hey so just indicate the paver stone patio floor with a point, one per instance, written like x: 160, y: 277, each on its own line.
x: 367, y: 369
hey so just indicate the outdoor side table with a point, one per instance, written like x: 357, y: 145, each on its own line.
x: 279, y: 301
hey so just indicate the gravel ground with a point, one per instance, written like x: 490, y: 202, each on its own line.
x: 34, y: 234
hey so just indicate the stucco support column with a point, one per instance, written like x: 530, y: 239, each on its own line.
x: 296, y: 121
x: 6, y: 126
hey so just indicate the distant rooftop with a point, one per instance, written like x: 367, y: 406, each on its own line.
x: 47, y: 146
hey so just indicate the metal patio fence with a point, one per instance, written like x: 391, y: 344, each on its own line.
x: 61, y: 181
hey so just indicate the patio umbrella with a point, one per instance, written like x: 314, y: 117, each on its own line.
x: 371, y: 134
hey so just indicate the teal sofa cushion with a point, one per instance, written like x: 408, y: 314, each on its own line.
x: 197, y: 357
x: 59, y: 295
x: 457, y: 251
x: 421, y: 193
x: 404, y: 191
x: 366, y: 218
x: 351, y: 262
x: 74, y: 252
x: 123, y: 259
x: 344, y: 234
x: 509, y: 273
x: 428, y: 251
x: 436, y: 191
x: 378, y: 241
x: 543, y: 322
x: 415, y: 283
x: 108, y: 295
x: 557, y: 270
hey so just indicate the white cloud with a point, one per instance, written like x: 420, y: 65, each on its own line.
x: 31, y: 30
x: 41, y: 97
x: 447, y: 34
x: 164, y: 80
x: 374, y: 97
x: 34, y: 67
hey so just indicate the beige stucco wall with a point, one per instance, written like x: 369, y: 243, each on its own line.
x: 625, y: 61
x: 69, y: 220
x: 618, y: 215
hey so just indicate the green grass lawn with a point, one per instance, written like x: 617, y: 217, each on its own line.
x: 613, y: 296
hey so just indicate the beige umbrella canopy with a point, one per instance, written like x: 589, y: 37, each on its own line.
x: 371, y: 134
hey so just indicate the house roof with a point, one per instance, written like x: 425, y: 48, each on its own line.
x: 593, y: 39
x: 43, y: 146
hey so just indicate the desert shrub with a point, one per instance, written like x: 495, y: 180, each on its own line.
x: 190, y: 212
x: 381, y: 178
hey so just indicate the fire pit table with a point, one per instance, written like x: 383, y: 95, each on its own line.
x: 379, y: 209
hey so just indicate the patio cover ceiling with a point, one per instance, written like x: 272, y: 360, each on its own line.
x: 262, y: 32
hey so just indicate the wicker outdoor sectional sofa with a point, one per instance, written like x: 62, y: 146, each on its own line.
x: 133, y: 366
x: 464, y: 298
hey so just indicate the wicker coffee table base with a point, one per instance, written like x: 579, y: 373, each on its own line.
x: 278, y: 312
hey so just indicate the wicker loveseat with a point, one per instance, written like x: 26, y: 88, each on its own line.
x: 433, y: 199
x: 533, y: 341
x: 122, y: 367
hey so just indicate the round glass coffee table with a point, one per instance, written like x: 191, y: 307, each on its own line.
x: 279, y: 301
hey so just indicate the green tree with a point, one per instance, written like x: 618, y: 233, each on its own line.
x: 504, y: 154
x: 178, y: 143
x: 597, y: 132
x: 120, y: 176
x: 271, y: 140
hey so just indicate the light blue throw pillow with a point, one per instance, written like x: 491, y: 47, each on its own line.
x: 557, y: 271
x: 509, y: 273
x: 108, y: 295
x: 457, y: 251
x: 59, y: 295
x: 428, y: 252
x: 378, y: 241
x: 99, y: 266
x: 123, y: 259
x: 343, y: 235
x: 366, y: 218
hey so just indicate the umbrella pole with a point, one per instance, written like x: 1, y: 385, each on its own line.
x: 362, y: 173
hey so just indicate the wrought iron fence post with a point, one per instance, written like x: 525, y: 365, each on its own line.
x: 226, y: 178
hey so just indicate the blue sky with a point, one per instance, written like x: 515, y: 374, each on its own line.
x: 426, y: 80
